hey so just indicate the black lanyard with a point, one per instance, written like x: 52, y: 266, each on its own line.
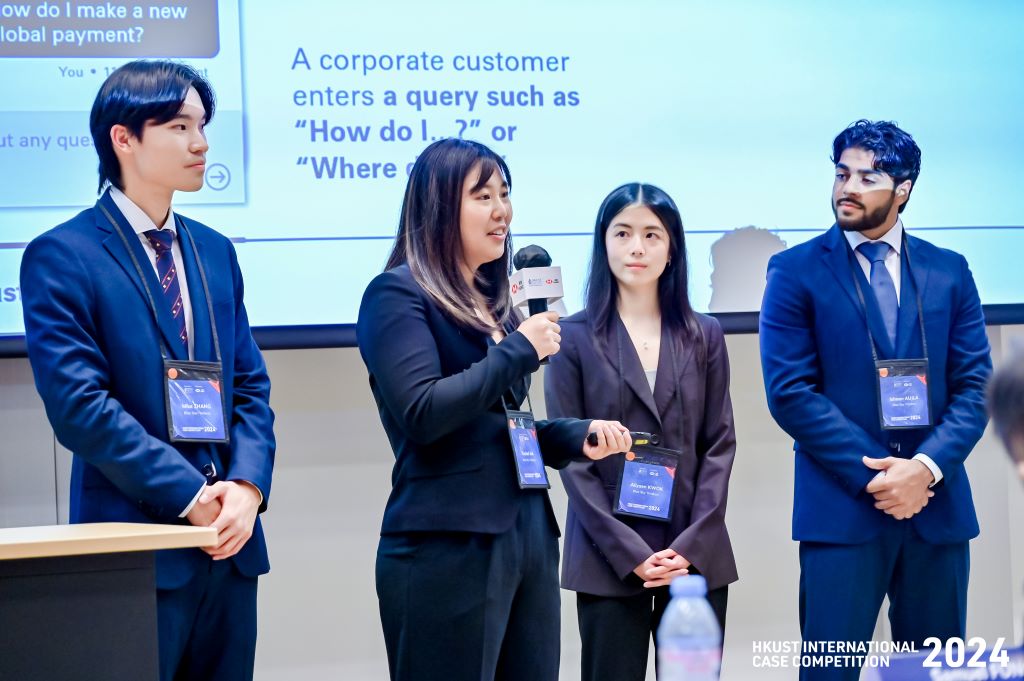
x: 509, y: 398
x: 863, y: 303
x: 149, y: 295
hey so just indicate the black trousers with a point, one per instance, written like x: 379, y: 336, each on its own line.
x: 616, y: 632
x: 461, y: 606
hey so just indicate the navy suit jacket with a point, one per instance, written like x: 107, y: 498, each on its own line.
x: 438, y: 386
x: 95, y: 353
x: 690, y: 410
x: 820, y: 379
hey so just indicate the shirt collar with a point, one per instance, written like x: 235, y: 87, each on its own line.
x: 894, y: 237
x: 137, y: 217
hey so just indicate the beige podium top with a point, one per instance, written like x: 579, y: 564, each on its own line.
x: 77, y: 540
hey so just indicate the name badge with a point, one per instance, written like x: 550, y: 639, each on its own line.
x: 903, y: 393
x: 195, y: 401
x: 526, y: 450
x: 646, y: 484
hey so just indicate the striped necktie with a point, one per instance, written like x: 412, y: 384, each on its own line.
x: 161, y: 241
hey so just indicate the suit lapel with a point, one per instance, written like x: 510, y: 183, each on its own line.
x: 202, y: 336
x: 913, y: 279
x: 837, y: 258
x: 114, y: 243
x: 845, y: 267
x: 617, y: 342
x: 672, y: 361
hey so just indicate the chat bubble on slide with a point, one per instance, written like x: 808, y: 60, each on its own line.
x: 55, y: 163
x: 144, y: 28
x: 44, y: 123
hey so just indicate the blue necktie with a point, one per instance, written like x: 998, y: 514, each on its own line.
x: 882, y: 285
x: 161, y: 241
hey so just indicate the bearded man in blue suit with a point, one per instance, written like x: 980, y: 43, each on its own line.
x: 875, y: 360
x: 120, y: 302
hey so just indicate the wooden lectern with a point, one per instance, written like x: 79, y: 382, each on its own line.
x: 79, y: 601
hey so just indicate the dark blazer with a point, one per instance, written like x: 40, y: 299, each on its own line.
x: 820, y: 379
x: 438, y: 386
x: 690, y: 410
x: 95, y: 353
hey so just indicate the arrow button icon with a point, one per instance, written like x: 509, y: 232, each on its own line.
x: 218, y: 177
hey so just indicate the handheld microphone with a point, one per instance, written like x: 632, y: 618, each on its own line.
x: 535, y: 281
x: 639, y: 438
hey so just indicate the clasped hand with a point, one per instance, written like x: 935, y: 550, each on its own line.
x: 902, y: 491
x: 230, y: 508
x: 661, y: 568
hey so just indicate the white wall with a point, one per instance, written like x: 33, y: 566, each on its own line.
x: 318, y: 612
x: 27, y: 484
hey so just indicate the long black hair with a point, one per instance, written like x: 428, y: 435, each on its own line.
x: 602, y: 290
x: 429, y: 236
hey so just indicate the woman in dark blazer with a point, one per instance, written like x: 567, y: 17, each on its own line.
x: 639, y: 353
x: 467, y: 562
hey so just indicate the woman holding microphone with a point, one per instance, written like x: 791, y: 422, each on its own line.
x: 467, y: 562
x: 639, y: 353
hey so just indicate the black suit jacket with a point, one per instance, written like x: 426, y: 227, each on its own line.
x: 690, y: 409
x: 438, y: 386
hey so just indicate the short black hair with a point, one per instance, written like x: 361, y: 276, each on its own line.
x: 896, y: 152
x: 1006, y: 404
x: 136, y: 93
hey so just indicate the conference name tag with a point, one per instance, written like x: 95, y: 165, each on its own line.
x: 195, y: 401
x: 526, y: 450
x: 903, y: 393
x: 646, y: 484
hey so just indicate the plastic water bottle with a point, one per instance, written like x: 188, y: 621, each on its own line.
x: 689, y: 638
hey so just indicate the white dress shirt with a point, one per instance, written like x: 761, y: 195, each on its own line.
x: 894, y: 237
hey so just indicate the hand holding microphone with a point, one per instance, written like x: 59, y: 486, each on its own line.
x: 543, y: 332
x: 536, y: 283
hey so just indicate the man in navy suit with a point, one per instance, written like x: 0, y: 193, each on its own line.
x: 883, y: 418
x: 112, y: 298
